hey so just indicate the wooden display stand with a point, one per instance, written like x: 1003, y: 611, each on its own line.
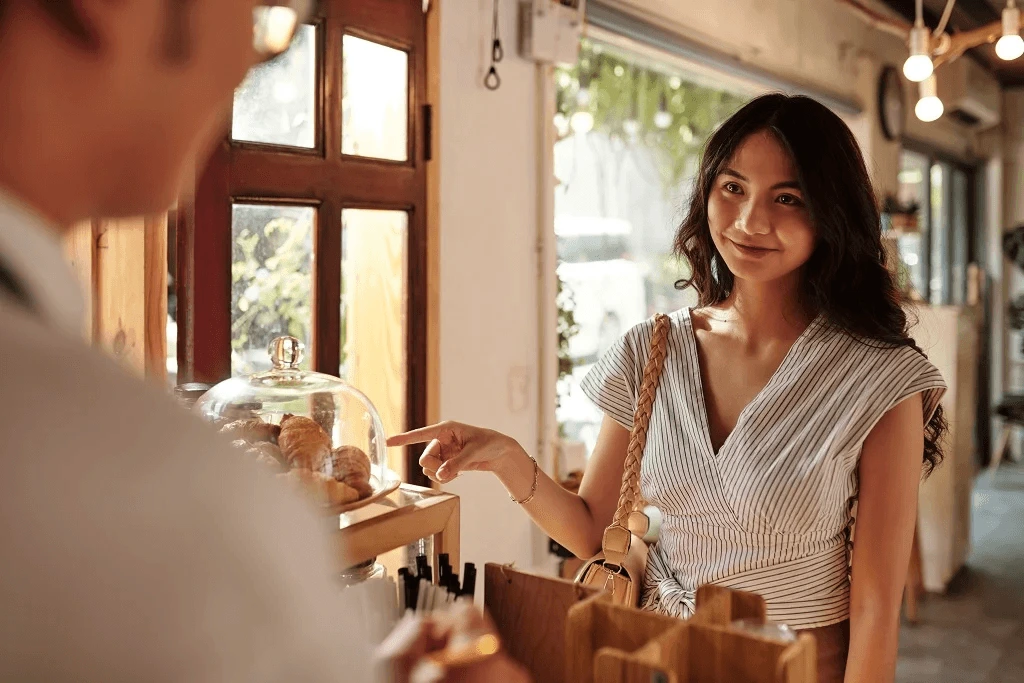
x: 404, y: 516
x: 563, y: 632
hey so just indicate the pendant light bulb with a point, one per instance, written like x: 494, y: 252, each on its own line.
x: 929, y: 107
x: 1010, y: 46
x: 918, y: 66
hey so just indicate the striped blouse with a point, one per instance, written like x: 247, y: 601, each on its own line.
x: 771, y: 512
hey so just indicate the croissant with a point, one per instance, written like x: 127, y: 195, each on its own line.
x: 268, y: 454
x: 253, y: 430
x: 304, y: 443
x: 322, y: 488
x: 352, y: 466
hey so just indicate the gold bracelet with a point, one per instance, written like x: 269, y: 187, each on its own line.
x: 533, y: 491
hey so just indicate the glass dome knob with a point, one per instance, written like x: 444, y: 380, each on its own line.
x: 286, y: 353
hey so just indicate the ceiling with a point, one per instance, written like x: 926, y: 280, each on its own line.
x: 969, y: 14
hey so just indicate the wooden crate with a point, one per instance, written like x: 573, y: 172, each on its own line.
x: 564, y: 633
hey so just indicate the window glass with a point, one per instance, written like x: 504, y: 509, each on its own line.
x: 276, y: 103
x: 375, y: 100
x: 271, y: 281
x: 939, y: 285
x: 374, y: 303
x: 630, y: 132
x: 958, y: 281
x: 913, y: 191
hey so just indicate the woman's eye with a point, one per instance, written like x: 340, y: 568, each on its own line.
x: 733, y: 188
x: 789, y: 200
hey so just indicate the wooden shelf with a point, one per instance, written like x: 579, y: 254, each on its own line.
x: 405, y: 516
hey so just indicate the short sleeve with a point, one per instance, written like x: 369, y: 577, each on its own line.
x: 613, y: 382
x: 913, y: 373
x: 889, y: 378
x: 884, y: 379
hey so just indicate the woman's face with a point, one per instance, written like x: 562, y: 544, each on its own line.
x: 757, y: 215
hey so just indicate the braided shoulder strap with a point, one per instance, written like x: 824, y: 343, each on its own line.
x: 629, y: 493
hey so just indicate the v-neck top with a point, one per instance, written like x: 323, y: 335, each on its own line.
x: 771, y: 511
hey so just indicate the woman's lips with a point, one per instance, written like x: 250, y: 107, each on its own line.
x: 750, y: 250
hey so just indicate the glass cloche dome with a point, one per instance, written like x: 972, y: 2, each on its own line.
x: 316, y: 431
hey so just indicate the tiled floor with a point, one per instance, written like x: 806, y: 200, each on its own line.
x: 975, y: 633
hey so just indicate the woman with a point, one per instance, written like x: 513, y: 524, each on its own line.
x: 792, y: 391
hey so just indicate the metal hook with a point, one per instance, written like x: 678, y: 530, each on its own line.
x: 492, y: 80
x: 497, y: 52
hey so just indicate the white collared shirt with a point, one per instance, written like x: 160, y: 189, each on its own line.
x: 135, y: 543
x: 30, y: 248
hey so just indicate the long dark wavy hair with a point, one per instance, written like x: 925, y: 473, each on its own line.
x: 846, y: 278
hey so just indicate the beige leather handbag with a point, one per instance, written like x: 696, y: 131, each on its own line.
x: 619, y: 567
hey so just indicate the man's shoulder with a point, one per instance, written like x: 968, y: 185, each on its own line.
x: 56, y: 390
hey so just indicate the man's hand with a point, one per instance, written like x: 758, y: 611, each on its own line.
x: 458, y: 646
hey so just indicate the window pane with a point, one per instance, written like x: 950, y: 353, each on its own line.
x: 913, y: 185
x: 375, y: 100
x: 940, y: 267
x: 959, y: 225
x: 630, y: 133
x: 271, y: 281
x: 373, y: 312
x: 276, y: 103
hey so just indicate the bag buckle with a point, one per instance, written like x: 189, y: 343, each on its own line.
x: 611, y: 571
x: 609, y: 580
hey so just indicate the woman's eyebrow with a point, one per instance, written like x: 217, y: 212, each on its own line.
x: 786, y: 184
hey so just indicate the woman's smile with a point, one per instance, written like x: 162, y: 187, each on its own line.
x: 750, y: 250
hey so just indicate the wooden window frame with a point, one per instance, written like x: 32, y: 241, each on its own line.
x: 329, y: 181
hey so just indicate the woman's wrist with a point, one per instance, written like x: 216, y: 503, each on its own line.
x: 515, y: 470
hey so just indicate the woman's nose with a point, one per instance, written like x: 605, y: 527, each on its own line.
x: 755, y: 219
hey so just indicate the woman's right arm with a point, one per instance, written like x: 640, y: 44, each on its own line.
x: 576, y: 521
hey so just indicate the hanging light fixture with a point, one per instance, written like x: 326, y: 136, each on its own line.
x: 919, y: 65
x: 1010, y: 46
x: 662, y: 118
x: 929, y: 106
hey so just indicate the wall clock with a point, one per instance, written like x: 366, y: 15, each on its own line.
x: 891, y: 106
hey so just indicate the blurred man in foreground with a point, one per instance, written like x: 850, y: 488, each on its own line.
x: 135, y: 546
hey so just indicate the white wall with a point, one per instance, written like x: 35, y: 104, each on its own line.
x: 488, y: 289
x: 490, y: 186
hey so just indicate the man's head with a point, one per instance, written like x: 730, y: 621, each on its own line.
x: 104, y: 106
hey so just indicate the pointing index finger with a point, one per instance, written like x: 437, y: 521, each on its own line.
x: 421, y: 435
